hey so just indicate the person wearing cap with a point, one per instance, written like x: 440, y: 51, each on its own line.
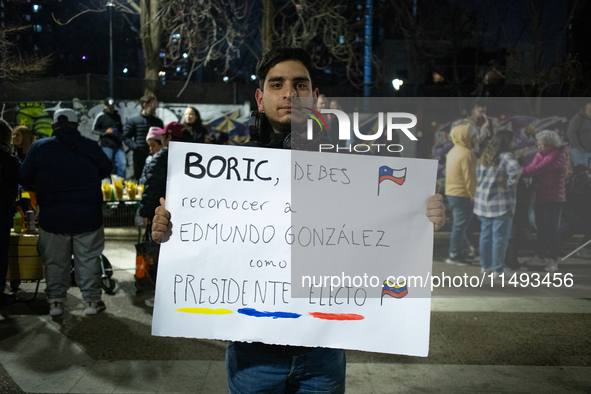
x: 108, y: 126
x: 136, y: 129
x: 65, y: 172
x: 154, y: 141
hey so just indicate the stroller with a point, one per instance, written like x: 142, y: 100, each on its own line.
x: 107, y: 283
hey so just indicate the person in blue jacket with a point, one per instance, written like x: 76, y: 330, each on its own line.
x: 65, y: 172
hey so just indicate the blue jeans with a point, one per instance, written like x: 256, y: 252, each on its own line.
x: 548, y: 224
x: 252, y: 370
x: 494, y: 239
x: 119, y: 159
x: 581, y: 158
x: 461, y: 211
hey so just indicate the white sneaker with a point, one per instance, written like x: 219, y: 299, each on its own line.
x: 470, y: 252
x: 535, y: 261
x: 94, y: 307
x: 456, y: 262
x: 551, y: 265
x: 56, y: 308
x: 485, y: 270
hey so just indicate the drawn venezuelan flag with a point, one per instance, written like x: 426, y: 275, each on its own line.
x: 394, y: 290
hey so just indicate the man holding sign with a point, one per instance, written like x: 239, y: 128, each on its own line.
x: 284, y: 73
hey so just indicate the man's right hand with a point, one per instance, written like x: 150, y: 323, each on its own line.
x: 161, y: 224
x: 109, y: 130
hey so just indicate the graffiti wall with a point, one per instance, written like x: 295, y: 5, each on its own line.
x: 38, y: 116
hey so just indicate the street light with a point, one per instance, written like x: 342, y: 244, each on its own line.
x: 110, y: 7
x: 397, y: 83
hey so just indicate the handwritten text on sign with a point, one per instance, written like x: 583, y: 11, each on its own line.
x: 299, y: 248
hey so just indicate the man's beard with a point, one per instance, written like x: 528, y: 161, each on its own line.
x: 286, y: 126
x: 281, y: 127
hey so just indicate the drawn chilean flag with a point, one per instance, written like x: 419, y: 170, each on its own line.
x: 387, y: 173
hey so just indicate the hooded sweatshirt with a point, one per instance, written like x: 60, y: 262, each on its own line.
x: 460, y: 172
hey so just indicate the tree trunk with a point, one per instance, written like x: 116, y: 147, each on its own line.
x: 268, y: 25
x: 151, y: 29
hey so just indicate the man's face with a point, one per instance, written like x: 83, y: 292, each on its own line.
x: 150, y: 107
x: 284, y: 80
x: 109, y: 109
x: 588, y: 110
x: 322, y: 103
x: 334, y: 104
x: 479, y: 112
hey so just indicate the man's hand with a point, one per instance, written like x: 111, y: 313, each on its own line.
x: 436, y: 210
x: 486, y: 123
x: 109, y: 130
x: 161, y: 225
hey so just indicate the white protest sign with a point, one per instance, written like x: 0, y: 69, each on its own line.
x: 256, y: 231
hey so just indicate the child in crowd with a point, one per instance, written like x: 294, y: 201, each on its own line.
x: 154, y: 140
x: 497, y: 174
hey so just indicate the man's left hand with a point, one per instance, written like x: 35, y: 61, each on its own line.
x: 436, y: 211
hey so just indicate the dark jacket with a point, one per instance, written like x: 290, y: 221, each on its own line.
x: 155, y: 183
x: 9, y: 166
x: 102, y: 123
x: 136, y: 130
x: 198, y: 131
x: 65, y: 172
x: 578, y: 198
x: 579, y: 131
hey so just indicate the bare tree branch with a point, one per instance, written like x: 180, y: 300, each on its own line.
x: 13, y: 65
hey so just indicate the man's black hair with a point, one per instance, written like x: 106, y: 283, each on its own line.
x: 278, y: 55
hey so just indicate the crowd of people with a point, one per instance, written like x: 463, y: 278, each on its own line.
x: 497, y: 188
x: 71, y: 217
x: 63, y: 175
